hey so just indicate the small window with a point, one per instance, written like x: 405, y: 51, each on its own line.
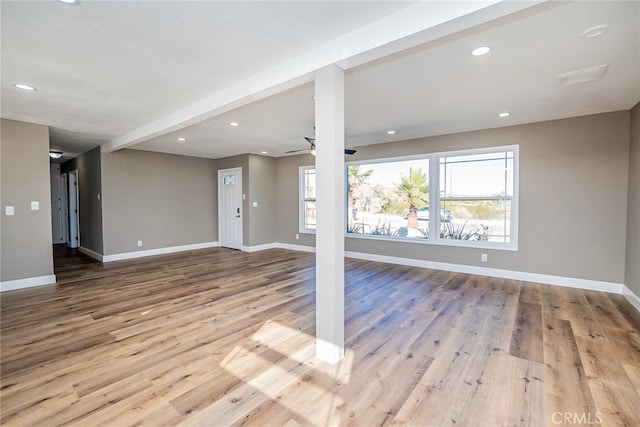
x: 230, y: 180
x: 307, y: 210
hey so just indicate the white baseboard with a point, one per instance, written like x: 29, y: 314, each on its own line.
x: 571, y: 282
x: 12, y: 285
x: 631, y: 297
x: 89, y: 252
x: 299, y: 248
x: 257, y: 248
x: 158, y: 251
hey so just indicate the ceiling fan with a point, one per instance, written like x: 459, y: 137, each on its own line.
x: 312, y: 148
x: 58, y: 156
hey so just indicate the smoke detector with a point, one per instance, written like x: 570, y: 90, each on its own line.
x: 581, y: 76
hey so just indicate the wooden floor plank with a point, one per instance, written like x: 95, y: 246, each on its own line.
x: 526, y: 394
x: 526, y: 341
x: 566, y: 385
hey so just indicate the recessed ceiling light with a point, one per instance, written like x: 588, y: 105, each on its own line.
x: 182, y: 139
x: 596, y: 31
x: 479, y: 51
x: 391, y: 132
x: 263, y: 152
x: 69, y: 1
x: 234, y: 124
x: 505, y: 114
x: 24, y: 87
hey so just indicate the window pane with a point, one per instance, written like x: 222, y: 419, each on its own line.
x: 474, y: 177
x: 389, y: 198
x: 477, y: 220
x: 310, y: 214
x: 310, y: 184
x: 509, y: 177
x: 482, y: 175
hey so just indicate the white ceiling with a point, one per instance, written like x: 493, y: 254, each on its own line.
x: 142, y: 74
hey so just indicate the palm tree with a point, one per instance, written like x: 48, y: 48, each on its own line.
x: 356, y: 179
x: 413, y: 191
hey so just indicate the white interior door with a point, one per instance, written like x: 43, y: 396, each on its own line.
x: 230, y: 208
x: 57, y: 224
x: 74, y: 235
x: 64, y: 204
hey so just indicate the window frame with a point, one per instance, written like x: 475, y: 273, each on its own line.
x: 302, y: 199
x: 434, y: 199
x: 434, y: 196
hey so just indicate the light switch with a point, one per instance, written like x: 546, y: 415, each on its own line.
x: 255, y: 204
x: 35, y: 206
x: 9, y: 210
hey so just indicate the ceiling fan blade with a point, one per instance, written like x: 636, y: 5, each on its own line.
x: 312, y: 141
x: 296, y: 151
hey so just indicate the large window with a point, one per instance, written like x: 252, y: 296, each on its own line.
x: 475, y: 192
x: 478, y: 191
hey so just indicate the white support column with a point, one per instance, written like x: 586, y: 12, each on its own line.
x: 330, y: 213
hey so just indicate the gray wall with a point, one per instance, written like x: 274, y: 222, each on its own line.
x: 90, y: 207
x: 26, y: 246
x: 258, y: 185
x: 573, y: 179
x: 162, y: 199
x: 262, y: 189
x: 632, y: 275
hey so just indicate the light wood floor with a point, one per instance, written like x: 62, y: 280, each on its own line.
x: 218, y: 338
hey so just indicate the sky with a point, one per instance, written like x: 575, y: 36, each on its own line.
x: 463, y: 179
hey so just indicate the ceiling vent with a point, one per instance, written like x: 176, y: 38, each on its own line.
x: 581, y: 76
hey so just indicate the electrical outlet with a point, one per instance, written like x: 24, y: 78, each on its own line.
x: 483, y: 258
x: 297, y: 236
x: 139, y: 243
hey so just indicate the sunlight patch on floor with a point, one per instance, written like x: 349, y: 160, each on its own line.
x: 278, y: 364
